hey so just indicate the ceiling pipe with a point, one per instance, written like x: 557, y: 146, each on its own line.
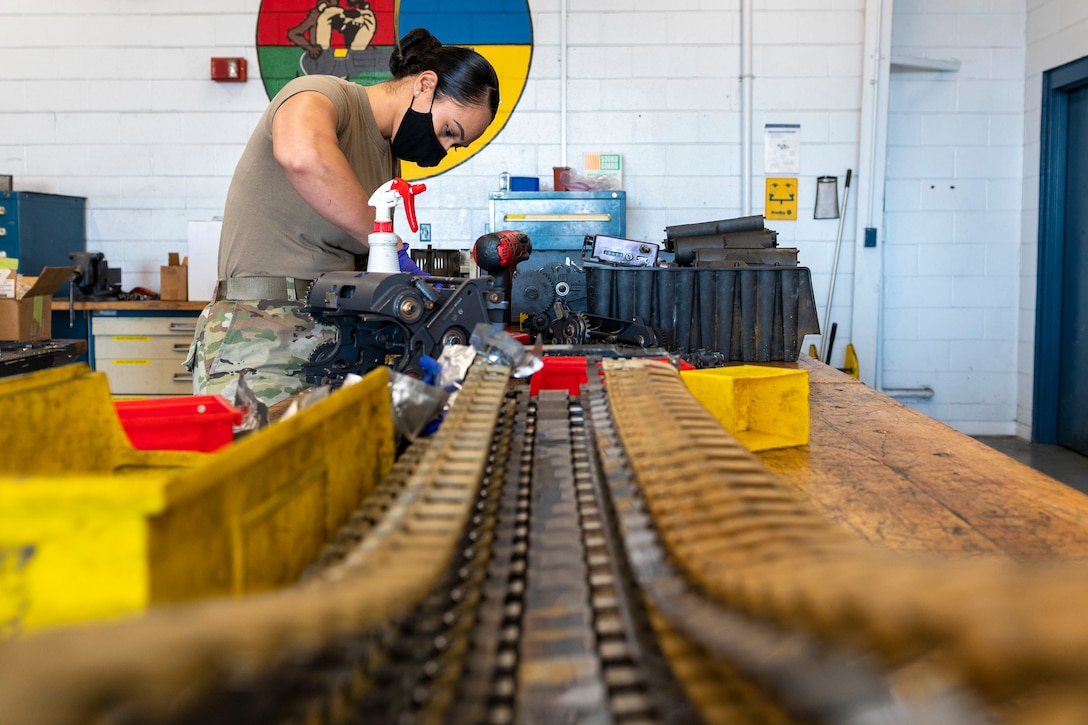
x: 746, y: 106
x: 563, y: 83
x: 867, y: 313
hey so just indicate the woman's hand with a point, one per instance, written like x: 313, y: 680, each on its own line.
x: 405, y: 260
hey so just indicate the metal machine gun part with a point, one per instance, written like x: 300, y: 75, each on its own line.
x: 625, y: 332
x: 739, y: 238
x: 395, y: 319
x: 551, y: 276
x: 566, y: 327
x: 533, y: 292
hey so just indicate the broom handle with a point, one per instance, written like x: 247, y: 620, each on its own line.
x: 835, y: 266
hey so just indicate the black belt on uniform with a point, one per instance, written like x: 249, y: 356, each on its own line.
x: 262, y: 288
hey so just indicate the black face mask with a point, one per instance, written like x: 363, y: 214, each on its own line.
x: 416, y: 140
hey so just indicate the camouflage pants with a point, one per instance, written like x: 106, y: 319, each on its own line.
x: 267, y: 339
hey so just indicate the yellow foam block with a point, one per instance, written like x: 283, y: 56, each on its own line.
x: 764, y: 407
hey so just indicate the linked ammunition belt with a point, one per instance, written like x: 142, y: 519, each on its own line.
x: 610, y: 557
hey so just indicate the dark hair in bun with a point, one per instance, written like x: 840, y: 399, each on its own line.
x: 463, y: 74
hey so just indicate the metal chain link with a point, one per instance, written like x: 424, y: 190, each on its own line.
x: 616, y: 557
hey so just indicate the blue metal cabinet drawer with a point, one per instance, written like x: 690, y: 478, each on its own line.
x: 9, y: 221
x: 560, y: 219
x: 41, y: 229
x: 9, y: 228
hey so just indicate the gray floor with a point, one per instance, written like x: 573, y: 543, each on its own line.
x: 1066, y: 465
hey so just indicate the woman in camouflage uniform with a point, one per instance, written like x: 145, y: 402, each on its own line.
x: 297, y: 206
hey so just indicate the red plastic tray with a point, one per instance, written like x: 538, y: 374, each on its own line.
x: 568, y: 373
x: 188, y: 423
x: 559, y: 373
x: 522, y: 337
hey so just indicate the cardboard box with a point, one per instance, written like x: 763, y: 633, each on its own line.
x: 28, y: 318
x: 174, y: 279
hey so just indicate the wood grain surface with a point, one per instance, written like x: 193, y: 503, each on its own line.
x: 901, y: 479
x: 58, y: 305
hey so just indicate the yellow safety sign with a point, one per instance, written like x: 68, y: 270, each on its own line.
x: 781, y: 198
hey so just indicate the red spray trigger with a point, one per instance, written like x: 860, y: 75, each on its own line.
x: 408, y: 193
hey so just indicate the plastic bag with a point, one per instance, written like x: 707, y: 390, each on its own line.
x: 500, y: 348
x: 254, y: 412
x: 415, y: 404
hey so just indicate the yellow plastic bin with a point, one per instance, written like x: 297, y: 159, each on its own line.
x: 92, y: 528
x: 764, y: 407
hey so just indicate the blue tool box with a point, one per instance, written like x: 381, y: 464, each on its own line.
x: 560, y: 219
x: 40, y: 230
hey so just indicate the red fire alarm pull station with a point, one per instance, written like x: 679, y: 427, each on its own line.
x: 228, y: 69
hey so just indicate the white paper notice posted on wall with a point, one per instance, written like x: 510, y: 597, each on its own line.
x: 782, y: 148
x: 604, y: 166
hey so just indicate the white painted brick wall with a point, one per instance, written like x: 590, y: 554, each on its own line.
x: 119, y: 109
x: 952, y: 201
x: 125, y: 114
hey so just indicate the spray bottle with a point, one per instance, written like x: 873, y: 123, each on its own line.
x: 383, y: 242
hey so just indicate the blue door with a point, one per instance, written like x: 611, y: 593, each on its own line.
x: 1073, y: 345
x: 1060, y: 413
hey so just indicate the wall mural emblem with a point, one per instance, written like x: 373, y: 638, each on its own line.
x: 353, y: 39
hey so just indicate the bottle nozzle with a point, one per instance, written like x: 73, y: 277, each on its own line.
x: 390, y: 194
x: 408, y: 193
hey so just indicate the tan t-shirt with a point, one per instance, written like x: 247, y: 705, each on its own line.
x: 268, y: 230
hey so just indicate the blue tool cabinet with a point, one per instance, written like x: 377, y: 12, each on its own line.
x: 560, y: 219
x: 41, y: 230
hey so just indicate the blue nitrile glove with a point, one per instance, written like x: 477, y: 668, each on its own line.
x: 431, y: 369
x: 406, y: 263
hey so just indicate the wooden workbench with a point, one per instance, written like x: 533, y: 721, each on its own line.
x: 60, y: 304
x: 901, y: 479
